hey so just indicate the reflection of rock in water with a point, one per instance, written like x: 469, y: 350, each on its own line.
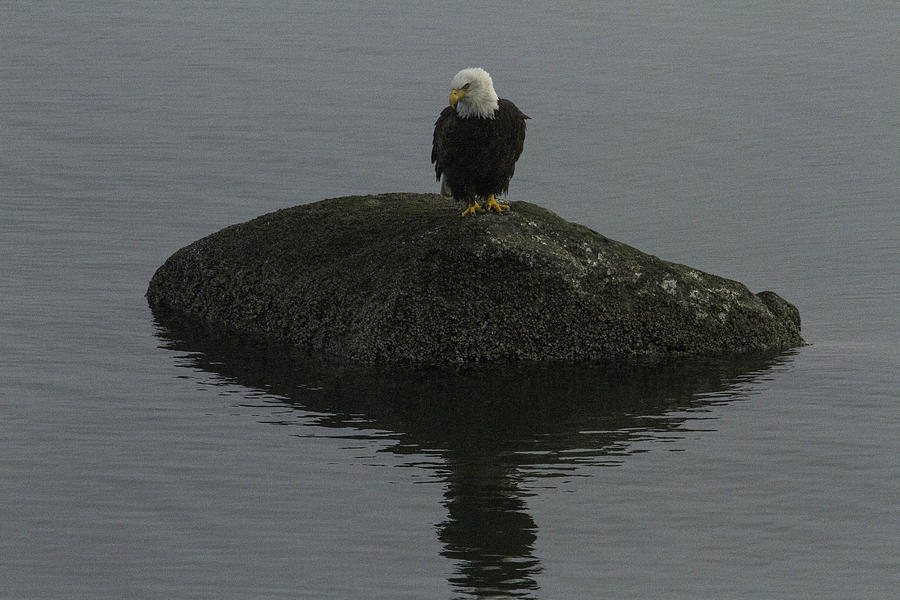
x: 489, y: 425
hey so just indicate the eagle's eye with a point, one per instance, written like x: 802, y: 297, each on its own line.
x: 465, y: 87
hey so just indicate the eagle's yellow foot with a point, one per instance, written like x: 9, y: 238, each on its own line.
x: 492, y: 204
x: 473, y: 208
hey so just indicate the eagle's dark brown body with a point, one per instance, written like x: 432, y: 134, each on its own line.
x: 477, y: 156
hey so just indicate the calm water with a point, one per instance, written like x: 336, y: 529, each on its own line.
x: 146, y: 460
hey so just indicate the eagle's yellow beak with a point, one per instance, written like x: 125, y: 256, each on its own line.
x: 457, y: 95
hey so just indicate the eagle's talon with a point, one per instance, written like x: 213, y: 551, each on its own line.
x: 473, y: 208
x: 492, y: 204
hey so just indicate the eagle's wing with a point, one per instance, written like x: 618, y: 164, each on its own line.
x: 514, y: 128
x: 443, y: 130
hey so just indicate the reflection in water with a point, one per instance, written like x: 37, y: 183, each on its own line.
x: 487, y: 426
x: 487, y: 531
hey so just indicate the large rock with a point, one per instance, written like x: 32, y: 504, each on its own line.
x: 403, y: 278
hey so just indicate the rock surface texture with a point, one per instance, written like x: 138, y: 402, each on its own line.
x: 402, y: 278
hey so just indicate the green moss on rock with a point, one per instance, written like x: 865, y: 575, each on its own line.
x: 402, y: 278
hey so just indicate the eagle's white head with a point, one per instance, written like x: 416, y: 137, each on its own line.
x: 473, y: 94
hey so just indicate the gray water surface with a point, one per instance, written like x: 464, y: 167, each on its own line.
x: 759, y: 141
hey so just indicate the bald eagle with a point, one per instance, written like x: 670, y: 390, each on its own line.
x: 477, y: 141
